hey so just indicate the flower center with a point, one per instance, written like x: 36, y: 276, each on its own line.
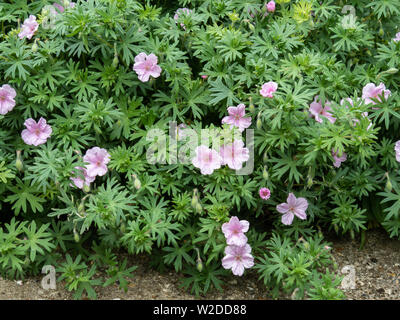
x: 238, y: 258
x: 37, y: 131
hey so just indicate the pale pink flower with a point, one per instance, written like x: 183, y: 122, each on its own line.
x: 61, y: 8
x: 397, y: 38
x: 236, y: 117
x: 338, y: 160
x: 234, y: 231
x: 370, y: 91
x: 28, y: 28
x: 204, y: 76
x: 270, y: 6
x: 97, y: 159
x: 7, y: 95
x: 268, y: 89
x: 265, y: 193
x: 318, y: 111
x: 397, y: 150
x: 294, y: 206
x: 234, y: 154
x: 238, y: 258
x: 36, y: 133
x: 207, y: 160
x: 180, y: 11
x: 146, y: 66
x: 79, y: 182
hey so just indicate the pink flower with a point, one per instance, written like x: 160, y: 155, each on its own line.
x: 7, y: 95
x: 234, y: 154
x: 207, y: 160
x: 61, y: 8
x: 79, y: 182
x: 146, y: 66
x: 204, y: 77
x: 29, y: 27
x: 238, y: 258
x: 36, y: 133
x: 236, y: 117
x: 268, y: 89
x: 97, y: 159
x: 293, y: 207
x: 370, y: 91
x: 338, y: 160
x: 270, y: 6
x: 234, y: 231
x: 265, y: 193
x: 397, y: 38
x: 318, y: 111
x: 397, y: 150
x: 184, y: 11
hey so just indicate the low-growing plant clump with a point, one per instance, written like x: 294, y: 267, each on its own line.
x: 218, y: 136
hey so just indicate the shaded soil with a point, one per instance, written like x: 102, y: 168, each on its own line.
x: 377, y: 274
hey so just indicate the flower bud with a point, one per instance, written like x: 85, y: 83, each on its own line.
x: 392, y: 71
x: 309, y: 182
x: 199, y: 208
x: 381, y: 32
x: 388, y: 186
x: 18, y: 163
x: 265, y: 173
x: 335, y: 226
x: 76, y: 236
x: 251, y: 107
x: 199, y: 265
x: 137, y: 184
x: 115, y: 61
x: 352, y: 234
x: 34, y: 47
x: 122, y: 228
x: 265, y: 157
x: 195, y: 199
x: 86, y: 188
x: 258, y: 122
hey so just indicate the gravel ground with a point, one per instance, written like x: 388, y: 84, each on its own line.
x: 377, y: 276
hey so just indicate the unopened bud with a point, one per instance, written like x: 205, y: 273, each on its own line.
x: 352, y: 234
x: 309, y: 182
x: 76, y: 236
x: 137, y: 184
x: 392, y: 71
x: 122, y: 228
x: 199, y: 208
x: 251, y: 26
x: 381, y: 32
x: 18, y: 163
x: 265, y: 157
x: 115, y: 61
x: 34, y: 47
x: 195, y: 199
x: 251, y: 107
x: 388, y: 186
x: 265, y: 173
x: 199, y: 265
x: 86, y: 188
x: 335, y: 226
x: 258, y: 123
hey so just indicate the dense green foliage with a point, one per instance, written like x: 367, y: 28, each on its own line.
x: 78, y: 74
